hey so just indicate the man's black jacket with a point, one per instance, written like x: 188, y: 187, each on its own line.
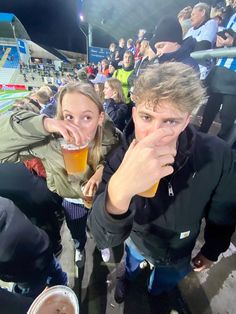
x: 165, y: 228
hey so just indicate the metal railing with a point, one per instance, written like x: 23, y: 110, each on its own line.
x: 214, y: 53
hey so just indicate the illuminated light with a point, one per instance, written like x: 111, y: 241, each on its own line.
x: 81, y: 17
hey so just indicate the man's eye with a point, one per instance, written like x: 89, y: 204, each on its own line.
x: 170, y: 122
x: 146, y: 118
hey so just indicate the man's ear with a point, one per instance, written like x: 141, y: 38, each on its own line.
x: 101, y: 118
x: 134, y: 114
x: 188, y: 118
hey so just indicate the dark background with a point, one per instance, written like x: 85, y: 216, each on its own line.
x: 54, y: 23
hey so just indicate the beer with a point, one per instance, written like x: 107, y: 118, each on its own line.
x: 150, y: 192
x: 75, y: 157
x: 57, y: 299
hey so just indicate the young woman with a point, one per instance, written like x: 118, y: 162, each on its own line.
x: 80, y: 118
x: 114, y: 104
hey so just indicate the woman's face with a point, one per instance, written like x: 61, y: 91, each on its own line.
x: 108, y: 91
x: 83, y: 112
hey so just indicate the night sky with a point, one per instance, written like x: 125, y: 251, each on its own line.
x: 52, y: 22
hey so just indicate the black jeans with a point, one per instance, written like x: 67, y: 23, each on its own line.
x: 227, y: 114
x: 13, y: 303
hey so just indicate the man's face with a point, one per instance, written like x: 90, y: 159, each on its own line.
x: 122, y: 43
x: 163, y: 47
x: 127, y: 60
x: 197, y: 17
x: 147, y: 119
x: 142, y: 49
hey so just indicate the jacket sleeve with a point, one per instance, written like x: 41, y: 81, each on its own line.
x: 108, y: 230
x: 20, y: 131
x: 221, y: 216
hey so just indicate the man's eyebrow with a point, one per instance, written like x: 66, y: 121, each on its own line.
x: 167, y: 118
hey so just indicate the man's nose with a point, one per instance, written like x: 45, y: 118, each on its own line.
x: 157, y: 125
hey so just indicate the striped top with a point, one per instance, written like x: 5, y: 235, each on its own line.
x: 229, y: 63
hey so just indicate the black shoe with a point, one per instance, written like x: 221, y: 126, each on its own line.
x: 121, y: 289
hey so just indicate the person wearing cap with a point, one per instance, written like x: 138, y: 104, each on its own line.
x: 169, y: 45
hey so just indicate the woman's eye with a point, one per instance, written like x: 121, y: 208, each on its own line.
x: 68, y: 117
x: 87, y: 118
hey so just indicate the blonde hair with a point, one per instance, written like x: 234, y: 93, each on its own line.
x: 185, y: 13
x: 116, y: 85
x: 100, y: 91
x: 172, y: 81
x: 86, y: 89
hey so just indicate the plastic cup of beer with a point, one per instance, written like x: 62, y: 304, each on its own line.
x: 88, y: 199
x: 75, y: 157
x: 57, y: 299
x: 150, y: 192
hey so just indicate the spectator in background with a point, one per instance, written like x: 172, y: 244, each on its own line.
x: 120, y: 51
x: 112, y: 49
x: 184, y: 17
x: 112, y: 67
x: 147, y: 55
x: 204, y: 31
x: 124, y: 73
x: 82, y: 75
x: 130, y: 46
x: 114, y: 104
x: 141, y: 34
x: 222, y: 87
x: 104, y: 67
x: 98, y: 83
x: 169, y: 45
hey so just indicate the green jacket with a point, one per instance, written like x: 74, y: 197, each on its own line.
x: 23, y: 136
x: 123, y: 77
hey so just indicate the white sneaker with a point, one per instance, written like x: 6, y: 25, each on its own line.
x: 106, y: 254
x: 79, y: 258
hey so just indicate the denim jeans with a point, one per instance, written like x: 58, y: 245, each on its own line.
x: 162, y: 278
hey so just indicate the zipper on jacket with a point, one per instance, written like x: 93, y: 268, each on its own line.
x: 170, y: 187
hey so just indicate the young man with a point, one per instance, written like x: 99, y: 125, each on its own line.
x: 196, y: 176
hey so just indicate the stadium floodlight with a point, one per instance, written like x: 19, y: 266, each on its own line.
x: 81, y: 17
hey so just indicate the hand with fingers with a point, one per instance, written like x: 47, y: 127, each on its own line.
x: 91, y: 186
x: 69, y: 131
x: 200, y: 262
x: 221, y: 42
x: 144, y: 164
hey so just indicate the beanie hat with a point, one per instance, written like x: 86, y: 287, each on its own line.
x: 168, y: 29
